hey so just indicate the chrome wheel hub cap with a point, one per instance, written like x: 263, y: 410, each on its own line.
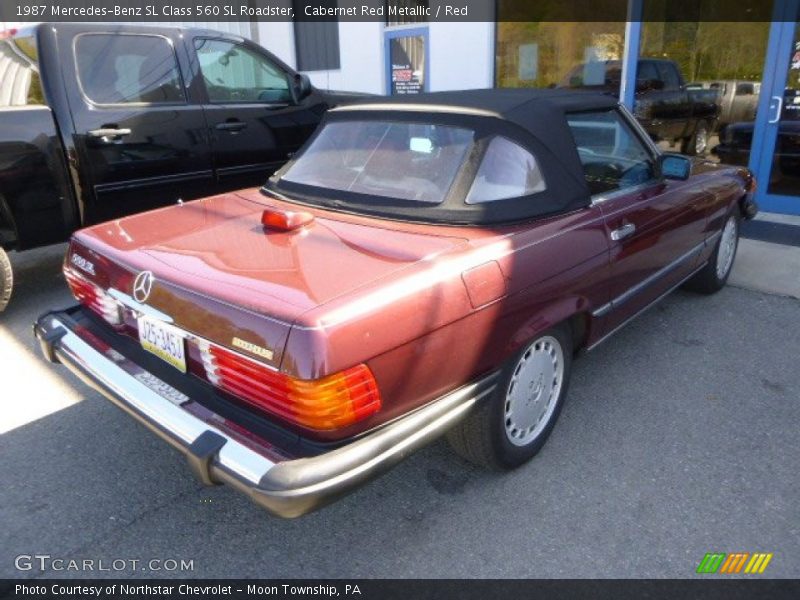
x: 727, y: 248
x: 701, y: 141
x: 533, y: 391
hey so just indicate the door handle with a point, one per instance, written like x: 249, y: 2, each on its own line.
x: 109, y: 132
x: 232, y: 126
x: 626, y: 230
x: 780, y: 109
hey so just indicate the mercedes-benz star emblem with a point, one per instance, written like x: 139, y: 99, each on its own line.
x: 142, y: 286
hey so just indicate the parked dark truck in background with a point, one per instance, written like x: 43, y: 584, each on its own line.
x: 664, y: 106
x: 99, y: 121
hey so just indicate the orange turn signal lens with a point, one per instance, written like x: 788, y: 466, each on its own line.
x: 335, y: 401
x: 331, y: 402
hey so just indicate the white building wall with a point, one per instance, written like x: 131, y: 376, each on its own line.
x: 278, y: 38
x: 461, y: 56
x: 360, y: 59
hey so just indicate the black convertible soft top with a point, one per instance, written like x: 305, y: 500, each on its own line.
x: 535, y: 119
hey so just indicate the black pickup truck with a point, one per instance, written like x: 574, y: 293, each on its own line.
x: 98, y: 121
x: 665, y: 107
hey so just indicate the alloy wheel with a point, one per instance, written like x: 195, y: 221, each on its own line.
x: 727, y: 248
x: 533, y: 391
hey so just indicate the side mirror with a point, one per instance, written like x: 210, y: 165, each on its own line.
x: 675, y: 166
x: 302, y: 85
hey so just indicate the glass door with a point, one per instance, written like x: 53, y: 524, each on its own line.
x: 776, y: 139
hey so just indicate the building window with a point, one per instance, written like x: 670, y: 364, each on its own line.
x: 560, y: 54
x: 406, y: 12
x: 316, y: 43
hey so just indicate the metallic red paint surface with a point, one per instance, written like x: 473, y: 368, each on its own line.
x: 427, y: 307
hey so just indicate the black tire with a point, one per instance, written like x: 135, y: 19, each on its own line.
x: 6, y: 280
x: 709, y: 280
x: 482, y: 437
x: 697, y: 143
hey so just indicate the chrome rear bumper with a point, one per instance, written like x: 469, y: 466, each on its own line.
x: 285, y: 487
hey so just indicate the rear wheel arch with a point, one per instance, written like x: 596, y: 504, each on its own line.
x: 572, y: 312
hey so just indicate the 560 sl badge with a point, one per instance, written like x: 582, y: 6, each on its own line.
x: 83, y: 264
x: 263, y: 352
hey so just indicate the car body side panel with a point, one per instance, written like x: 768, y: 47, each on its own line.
x: 34, y: 193
x: 669, y: 220
x: 420, y: 333
x: 724, y: 188
x: 36, y: 203
x: 165, y: 156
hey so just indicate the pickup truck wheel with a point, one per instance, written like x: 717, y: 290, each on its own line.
x: 6, y: 280
x: 697, y: 144
x: 511, y: 427
x: 714, y: 275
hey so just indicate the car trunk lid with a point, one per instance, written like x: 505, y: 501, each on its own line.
x: 219, y: 274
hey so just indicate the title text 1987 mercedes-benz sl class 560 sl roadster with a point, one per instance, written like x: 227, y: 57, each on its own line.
x: 423, y: 266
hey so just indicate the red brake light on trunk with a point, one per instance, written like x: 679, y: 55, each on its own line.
x: 285, y: 220
x: 331, y: 402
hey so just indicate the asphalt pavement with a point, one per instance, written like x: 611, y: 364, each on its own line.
x: 679, y: 437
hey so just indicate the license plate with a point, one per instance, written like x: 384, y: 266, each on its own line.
x: 165, y: 341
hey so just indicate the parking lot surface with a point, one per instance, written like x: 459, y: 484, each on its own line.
x: 679, y: 437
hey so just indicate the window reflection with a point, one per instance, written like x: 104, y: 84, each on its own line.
x: 549, y: 54
x: 719, y: 63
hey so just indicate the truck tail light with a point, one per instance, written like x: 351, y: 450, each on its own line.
x: 93, y: 297
x: 331, y: 402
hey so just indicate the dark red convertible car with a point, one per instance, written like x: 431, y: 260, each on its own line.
x: 423, y: 266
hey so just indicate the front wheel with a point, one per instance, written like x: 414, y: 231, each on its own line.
x: 714, y: 275
x: 512, y: 426
x: 6, y: 280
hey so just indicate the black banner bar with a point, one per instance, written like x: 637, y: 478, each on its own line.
x: 390, y: 11
x: 238, y: 589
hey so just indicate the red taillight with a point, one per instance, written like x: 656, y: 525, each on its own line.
x: 328, y: 403
x: 285, y: 220
x: 93, y: 297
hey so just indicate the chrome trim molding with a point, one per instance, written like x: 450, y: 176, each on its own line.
x: 640, y: 187
x: 713, y: 238
x: 142, y: 309
x: 662, y: 272
x: 648, y: 281
x: 288, y: 488
x: 644, y: 308
x: 144, y: 182
x: 603, y: 310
